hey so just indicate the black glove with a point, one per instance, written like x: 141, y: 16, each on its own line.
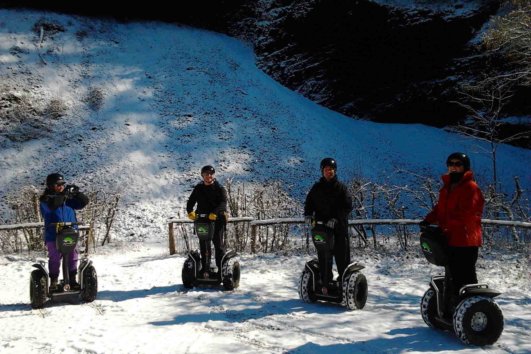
x: 424, y: 225
x: 331, y: 223
x: 71, y: 190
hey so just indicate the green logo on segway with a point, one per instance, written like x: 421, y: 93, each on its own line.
x: 68, y: 241
x: 319, y: 238
x: 202, y: 229
x: 425, y: 247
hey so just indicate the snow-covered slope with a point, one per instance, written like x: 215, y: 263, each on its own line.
x: 142, y: 307
x: 177, y: 98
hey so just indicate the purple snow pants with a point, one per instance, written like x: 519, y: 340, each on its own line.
x: 54, y: 260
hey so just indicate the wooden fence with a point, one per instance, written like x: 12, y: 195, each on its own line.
x: 254, y: 224
x: 85, y: 230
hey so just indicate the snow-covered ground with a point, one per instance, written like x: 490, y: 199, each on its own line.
x: 142, y: 307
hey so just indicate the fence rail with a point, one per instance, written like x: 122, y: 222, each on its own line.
x: 31, y: 225
x: 38, y: 225
x: 256, y: 223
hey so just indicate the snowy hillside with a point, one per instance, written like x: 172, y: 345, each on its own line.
x: 173, y: 99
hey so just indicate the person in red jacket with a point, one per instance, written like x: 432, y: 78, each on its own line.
x: 458, y: 213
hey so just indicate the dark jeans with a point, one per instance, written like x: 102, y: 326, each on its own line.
x: 460, y: 271
x: 341, y: 253
x: 219, y: 247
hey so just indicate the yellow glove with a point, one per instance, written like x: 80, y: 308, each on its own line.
x: 212, y: 217
x: 192, y: 216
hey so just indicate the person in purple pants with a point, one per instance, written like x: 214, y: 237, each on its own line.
x: 58, y: 204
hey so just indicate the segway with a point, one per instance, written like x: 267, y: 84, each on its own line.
x: 349, y: 289
x: 476, y: 319
x: 193, y: 275
x: 40, y: 292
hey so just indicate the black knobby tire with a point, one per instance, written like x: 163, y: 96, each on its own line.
x: 231, y: 275
x: 478, y: 320
x: 306, y: 292
x: 355, y: 291
x: 37, y: 289
x: 188, y: 274
x: 428, y: 310
x: 90, y: 284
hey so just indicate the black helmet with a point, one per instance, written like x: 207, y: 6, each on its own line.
x: 55, y: 178
x: 208, y: 168
x: 461, y: 157
x: 328, y: 161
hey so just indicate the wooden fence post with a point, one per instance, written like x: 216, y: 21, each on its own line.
x: 254, y: 229
x: 171, y: 238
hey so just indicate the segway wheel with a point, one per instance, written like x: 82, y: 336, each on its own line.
x: 306, y: 292
x: 231, y: 275
x: 428, y: 310
x: 90, y: 284
x: 478, y: 320
x: 188, y: 274
x: 37, y: 289
x: 355, y: 291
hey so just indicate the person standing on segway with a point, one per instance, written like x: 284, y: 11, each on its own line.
x: 458, y: 214
x: 329, y: 201
x: 58, y: 204
x: 211, y: 199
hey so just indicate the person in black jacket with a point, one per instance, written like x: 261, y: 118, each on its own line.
x: 329, y: 201
x: 211, y: 198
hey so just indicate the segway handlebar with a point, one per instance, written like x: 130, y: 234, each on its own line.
x: 59, y: 225
x: 68, y: 223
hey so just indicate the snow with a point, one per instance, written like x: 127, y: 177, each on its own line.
x: 175, y: 99
x: 523, y: 120
x: 449, y: 8
x: 142, y: 307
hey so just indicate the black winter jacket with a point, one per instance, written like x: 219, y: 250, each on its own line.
x: 327, y: 200
x: 209, y: 199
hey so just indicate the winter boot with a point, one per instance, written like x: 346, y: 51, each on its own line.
x: 53, y: 284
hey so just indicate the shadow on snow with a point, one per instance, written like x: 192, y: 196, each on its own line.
x: 119, y: 295
x: 421, y: 339
x: 263, y: 310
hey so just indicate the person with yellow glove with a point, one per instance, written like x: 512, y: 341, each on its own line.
x: 211, y: 199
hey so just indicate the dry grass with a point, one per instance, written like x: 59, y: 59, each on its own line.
x: 94, y: 98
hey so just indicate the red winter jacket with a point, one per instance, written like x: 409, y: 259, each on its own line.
x: 458, y: 211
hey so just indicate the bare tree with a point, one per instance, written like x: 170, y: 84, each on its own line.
x: 25, y: 205
x: 508, y: 44
x: 510, y: 38
x: 266, y: 201
x: 486, y: 101
x: 359, y: 189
